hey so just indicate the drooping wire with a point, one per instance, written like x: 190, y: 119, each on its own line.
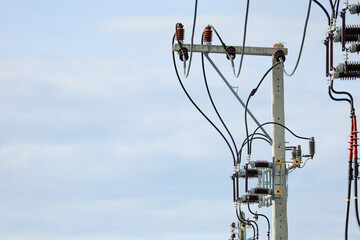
x: 244, y: 40
x: 212, y: 101
x: 197, y: 107
x: 261, y: 215
x: 192, y: 38
x: 279, y: 124
x: 302, y: 42
x: 325, y: 11
x: 252, y: 93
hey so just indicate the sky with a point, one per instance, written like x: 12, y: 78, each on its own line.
x: 98, y: 141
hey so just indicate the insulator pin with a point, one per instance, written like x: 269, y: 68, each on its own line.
x: 354, y: 47
x: 208, y: 34
x: 180, y: 32
x: 354, y: 8
x: 231, y: 53
x: 183, y: 54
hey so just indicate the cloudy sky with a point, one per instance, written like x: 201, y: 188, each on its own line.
x: 98, y: 141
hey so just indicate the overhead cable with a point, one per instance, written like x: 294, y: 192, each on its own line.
x: 302, y: 42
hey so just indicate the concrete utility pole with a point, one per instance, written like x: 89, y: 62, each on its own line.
x: 279, y: 202
x: 279, y: 214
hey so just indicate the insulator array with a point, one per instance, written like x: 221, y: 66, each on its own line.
x: 354, y: 8
x: 208, y: 34
x: 183, y: 54
x: 180, y: 32
x: 312, y: 147
x: 231, y: 52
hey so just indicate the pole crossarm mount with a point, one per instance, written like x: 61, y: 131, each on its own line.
x: 254, y: 51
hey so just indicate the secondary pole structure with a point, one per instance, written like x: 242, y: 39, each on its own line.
x: 279, y: 199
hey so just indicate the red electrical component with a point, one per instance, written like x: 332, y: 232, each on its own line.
x: 180, y: 32
x: 208, y: 34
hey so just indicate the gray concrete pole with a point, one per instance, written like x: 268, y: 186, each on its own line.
x: 279, y: 217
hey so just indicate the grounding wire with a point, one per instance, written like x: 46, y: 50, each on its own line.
x: 302, y: 42
x: 261, y: 215
x: 252, y: 93
x: 236, y: 95
x: 244, y: 39
x: 212, y: 101
x: 325, y: 11
x: 192, y: 38
x: 279, y: 124
x: 197, y: 107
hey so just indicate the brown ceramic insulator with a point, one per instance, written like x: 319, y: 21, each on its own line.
x: 352, y: 38
x: 348, y: 76
x: 180, y: 32
x: 183, y: 54
x: 252, y: 198
x: 230, y: 52
x: 280, y: 55
x: 353, y: 67
x: 353, y: 29
x: 208, y: 34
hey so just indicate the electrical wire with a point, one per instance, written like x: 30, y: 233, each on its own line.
x: 212, y: 101
x: 192, y: 38
x: 249, y: 222
x: 302, y: 42
x: 332, y: 8
x: 252, y: 93
x: 197, y: 107
x: 337, y: 8
x: 244, y: 39
x: 244, y: 144
x: 356, y: 170
x: 325, y: 11
x: 261, y: 215
x: 279, y: 124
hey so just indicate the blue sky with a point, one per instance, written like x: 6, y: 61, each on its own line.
x: 98, y: 141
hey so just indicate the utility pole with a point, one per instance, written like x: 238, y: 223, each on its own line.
x: 279, y: 195
x: 279, y: 214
